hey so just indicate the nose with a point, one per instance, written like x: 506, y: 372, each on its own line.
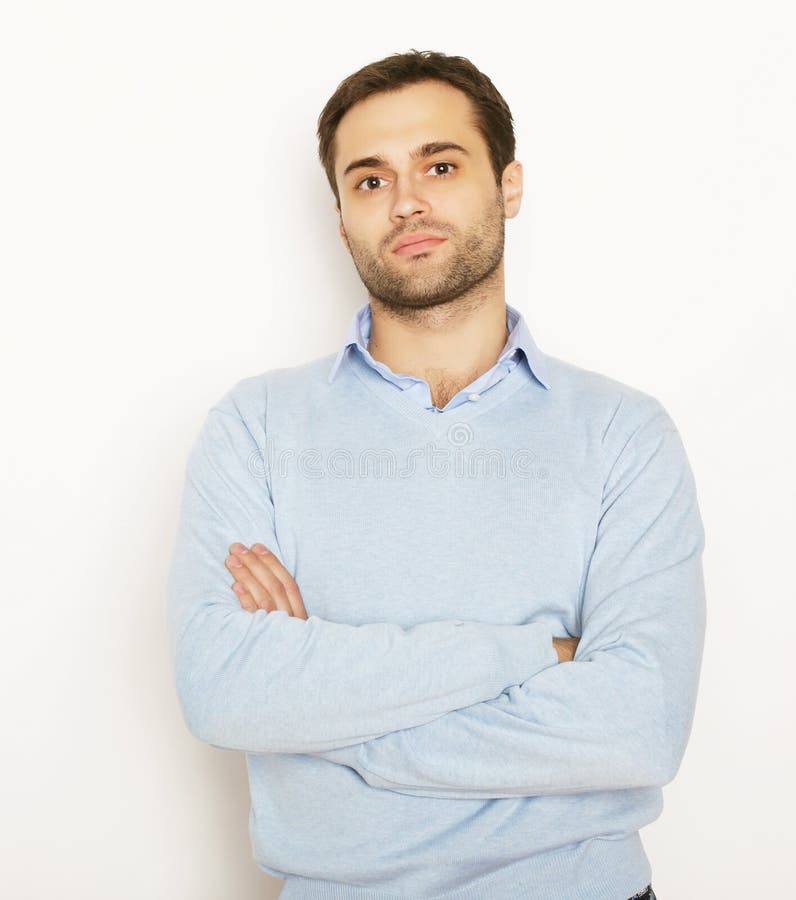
x: 407, y: 201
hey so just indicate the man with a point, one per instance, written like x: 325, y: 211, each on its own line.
x: 463, y: 651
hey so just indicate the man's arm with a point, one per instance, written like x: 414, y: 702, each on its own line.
x: 618, y: 716
x: 271, y: 682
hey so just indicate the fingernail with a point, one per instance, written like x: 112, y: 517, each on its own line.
x: 233, y: 561
x: 258, y: 548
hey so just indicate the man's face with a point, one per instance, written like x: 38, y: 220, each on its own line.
x: 394, y: 184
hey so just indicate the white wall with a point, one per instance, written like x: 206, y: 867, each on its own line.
x: 166, y: 229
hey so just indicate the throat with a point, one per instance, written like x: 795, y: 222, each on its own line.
x: 444, y: 388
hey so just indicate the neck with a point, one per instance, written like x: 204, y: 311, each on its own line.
x: 451, y: 341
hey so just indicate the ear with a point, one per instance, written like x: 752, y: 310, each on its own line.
x: 341, y: 229
x: 511, y: 184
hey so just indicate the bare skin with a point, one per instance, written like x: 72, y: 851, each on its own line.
x: 262, y: 582
x: 566, y: 647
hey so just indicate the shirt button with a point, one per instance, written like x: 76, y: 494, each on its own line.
x: 474, y: 397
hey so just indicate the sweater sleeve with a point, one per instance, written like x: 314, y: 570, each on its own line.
x: 272, y: 682
x: 619, y: 715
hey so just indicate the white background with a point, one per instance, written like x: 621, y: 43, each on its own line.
x: 166, y: 229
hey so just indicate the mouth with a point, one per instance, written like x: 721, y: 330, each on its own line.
x: 421, y: 242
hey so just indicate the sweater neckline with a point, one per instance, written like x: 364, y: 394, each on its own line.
x: 434, y: 421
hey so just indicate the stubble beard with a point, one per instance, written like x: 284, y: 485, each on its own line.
x: 419, y: 282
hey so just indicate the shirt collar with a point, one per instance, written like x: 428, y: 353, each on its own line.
x: 519, y: 338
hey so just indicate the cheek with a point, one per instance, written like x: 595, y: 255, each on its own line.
x: 465, y: 204
x: 365, y: 232
x: 476, y: 199
x: 361, y: 223
x: 362, y: 245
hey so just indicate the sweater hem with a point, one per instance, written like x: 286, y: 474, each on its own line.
x: 595, y: 869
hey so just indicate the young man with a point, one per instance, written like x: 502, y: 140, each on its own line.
x: 464, y: 651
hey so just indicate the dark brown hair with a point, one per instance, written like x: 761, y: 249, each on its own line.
x: 491, y: 114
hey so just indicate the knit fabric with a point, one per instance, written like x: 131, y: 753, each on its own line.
x: 416, y: 736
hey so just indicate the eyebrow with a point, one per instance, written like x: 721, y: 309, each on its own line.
x: 424, y: 150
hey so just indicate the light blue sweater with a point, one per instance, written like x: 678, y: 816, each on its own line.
x: 416, y: 737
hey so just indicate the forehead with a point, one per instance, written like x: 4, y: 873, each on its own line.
x: 391, y: 124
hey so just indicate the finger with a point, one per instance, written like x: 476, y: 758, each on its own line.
x: 259, y: 580
x: 288, y: 582
x: 267, y: 567
x: 242, y: 591
x: 244, y: 597
x: 252, y: 589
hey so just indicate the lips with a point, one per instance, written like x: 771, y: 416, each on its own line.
x: 417, y: 242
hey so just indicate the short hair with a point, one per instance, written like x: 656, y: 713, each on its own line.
x: 491, y: 113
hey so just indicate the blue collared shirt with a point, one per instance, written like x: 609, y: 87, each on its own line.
x: 519, y: 345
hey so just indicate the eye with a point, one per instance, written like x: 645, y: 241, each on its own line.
x: 368, y: 181
x: 443, y: 165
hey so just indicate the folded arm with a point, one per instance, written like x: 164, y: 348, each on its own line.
x: 619, y: 715
x: 271, y: 682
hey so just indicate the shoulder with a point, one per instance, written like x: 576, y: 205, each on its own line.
x: 603, y: 400
x: 250, y: 396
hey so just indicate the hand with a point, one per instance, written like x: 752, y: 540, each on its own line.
x: 262, y: 582
x: 565, y: 648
